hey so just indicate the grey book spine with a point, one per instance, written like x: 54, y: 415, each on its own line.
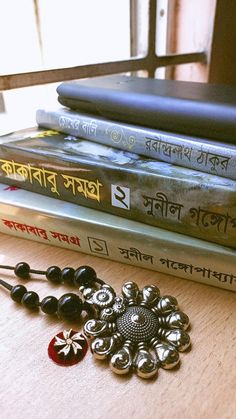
x: 202, y: 154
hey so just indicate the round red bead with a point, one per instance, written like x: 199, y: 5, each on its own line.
x: 67, y: 348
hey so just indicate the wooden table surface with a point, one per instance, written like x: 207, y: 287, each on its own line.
x: 32, y: 386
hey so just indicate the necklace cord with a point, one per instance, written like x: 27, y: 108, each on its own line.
x: 69, y: 306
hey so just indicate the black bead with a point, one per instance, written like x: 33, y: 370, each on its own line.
x: 70, y: 307
x: 22, y: 270
x: 17, y: 293
x: 49, y: 305
x: 30, y: 300
x: 67, y: 275
x: 53, y: 274
x: 84, y: 275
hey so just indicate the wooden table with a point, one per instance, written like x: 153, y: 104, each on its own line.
x: 32, y: 386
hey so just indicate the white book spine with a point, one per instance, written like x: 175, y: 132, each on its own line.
x: 152, y: 248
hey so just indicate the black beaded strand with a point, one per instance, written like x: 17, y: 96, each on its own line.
x: 84, y: 275
x: 69, y: 306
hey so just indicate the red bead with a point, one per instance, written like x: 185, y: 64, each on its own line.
x: 67, y: 348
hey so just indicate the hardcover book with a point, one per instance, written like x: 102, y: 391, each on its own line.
x: 122, y: 183
x: 202, y: 154
x: 202, y: 109
x: 50, y: 221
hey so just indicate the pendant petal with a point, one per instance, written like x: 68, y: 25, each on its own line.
x: 75, y: 347
x: 77, y: 336
x: 121, y: 361
x: 59, y: 341
x: 145, y: 364
x: 66, y: 333
x: 65, y: 350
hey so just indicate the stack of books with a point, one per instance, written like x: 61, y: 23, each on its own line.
x: 141, y: 171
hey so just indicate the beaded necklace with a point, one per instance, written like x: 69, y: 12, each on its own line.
x: 137, y: 331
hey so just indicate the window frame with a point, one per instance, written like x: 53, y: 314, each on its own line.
x: 148, y: 62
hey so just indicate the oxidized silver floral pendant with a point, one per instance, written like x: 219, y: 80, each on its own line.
x: 138, y: 331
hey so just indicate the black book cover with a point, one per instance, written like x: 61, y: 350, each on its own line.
x: 193, y: 108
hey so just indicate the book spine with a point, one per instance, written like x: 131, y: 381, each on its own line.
x: 168, y: 199
x: 195, y: 153
x: 212, y: 265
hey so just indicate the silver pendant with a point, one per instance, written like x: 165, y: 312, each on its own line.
x: 138, y: 331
